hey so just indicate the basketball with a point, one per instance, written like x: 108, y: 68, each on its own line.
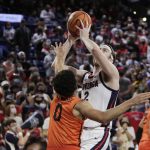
x: 74, y: 19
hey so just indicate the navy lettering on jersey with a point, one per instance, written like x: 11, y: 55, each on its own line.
x: 90, y: 85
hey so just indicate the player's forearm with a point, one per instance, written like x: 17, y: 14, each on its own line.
x: 58, y: 64
x: 113, y: 113
x: 67, y: 46
x: 102, y: 116
x: 106, y: 65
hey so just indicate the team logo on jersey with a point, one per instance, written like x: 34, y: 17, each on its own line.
x: 90, y: 85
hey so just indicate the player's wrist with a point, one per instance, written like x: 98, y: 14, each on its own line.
x: 84, y: 38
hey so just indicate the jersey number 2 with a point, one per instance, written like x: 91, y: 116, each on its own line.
x: 86, y: 94
x: 57, y: 113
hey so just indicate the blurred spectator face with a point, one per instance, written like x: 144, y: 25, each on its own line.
x: 5, y: 85
x: 11, y: 109
x: 8, y: 25
x: 40, y: 31
x: 47, y: 45
x: 39, y: 101
x: 129, y: 19
x: 35, y: 77
x: 16, y: 83
x: 41, y: 88
x: 22, y: 56
x: 13, y: 127
x: 117, y: 36
x: 9, y: 98
x: 47, y: 7
x: 99, y: 39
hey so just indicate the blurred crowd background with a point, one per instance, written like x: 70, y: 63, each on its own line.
x: 26, y: 57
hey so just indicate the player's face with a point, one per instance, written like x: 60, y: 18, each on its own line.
x: 107, y: 52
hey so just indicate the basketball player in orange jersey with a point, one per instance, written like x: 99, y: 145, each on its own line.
x: 68, y: 112
x: 99, y: 87
x: 145, y: 140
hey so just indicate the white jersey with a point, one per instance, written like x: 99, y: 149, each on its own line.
x: 99, y: 95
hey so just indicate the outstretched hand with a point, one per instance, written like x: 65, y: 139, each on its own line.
x: 141, y: 98
x: 84, y: 30
x: 59, y: 49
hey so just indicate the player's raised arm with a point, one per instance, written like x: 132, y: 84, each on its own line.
x: 61, y: 51
x: 88, y: 111
x: 98, y: 52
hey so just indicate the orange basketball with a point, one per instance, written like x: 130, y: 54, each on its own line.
x: 74, y: 19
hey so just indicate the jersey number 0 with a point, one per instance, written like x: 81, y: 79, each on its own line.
x: 57, y: 113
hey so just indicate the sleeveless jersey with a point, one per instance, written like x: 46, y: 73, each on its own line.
x: 64, y: 129
x: 99, y: 95
x: 145, y: 134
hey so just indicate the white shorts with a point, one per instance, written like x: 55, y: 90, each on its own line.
x: 95, y: 138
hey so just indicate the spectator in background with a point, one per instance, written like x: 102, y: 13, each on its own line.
x: 2, y: 73
x: 14, y: 138
x: 48, y: 59
x: 45, y: 128
x: 47, y: 14
x: 125, y: 86
x: 148, y: 52
x: 8, y: 33
x: 23, y: 37
x: 133, y: 47
x: 9, y: 65
x: 134, y: 116
x: 37, y: 39
x: 11, y: 113
x: 86, y: 64
x: 46, y: 47
x: 33, y: 18
x: 99, y: 39
x: 2, y: 141
x: 41, y: 89
x: 2, y: 113
x: 143, y: 46
x: 5, y: 86
x: 25, y: 64
x: 125, y: 135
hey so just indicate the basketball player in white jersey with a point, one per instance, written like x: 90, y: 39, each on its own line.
x: 100, y: 87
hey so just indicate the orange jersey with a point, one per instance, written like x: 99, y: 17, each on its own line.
x: 145, y: 140
x: 64, y: 128
x: 146, y: 128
